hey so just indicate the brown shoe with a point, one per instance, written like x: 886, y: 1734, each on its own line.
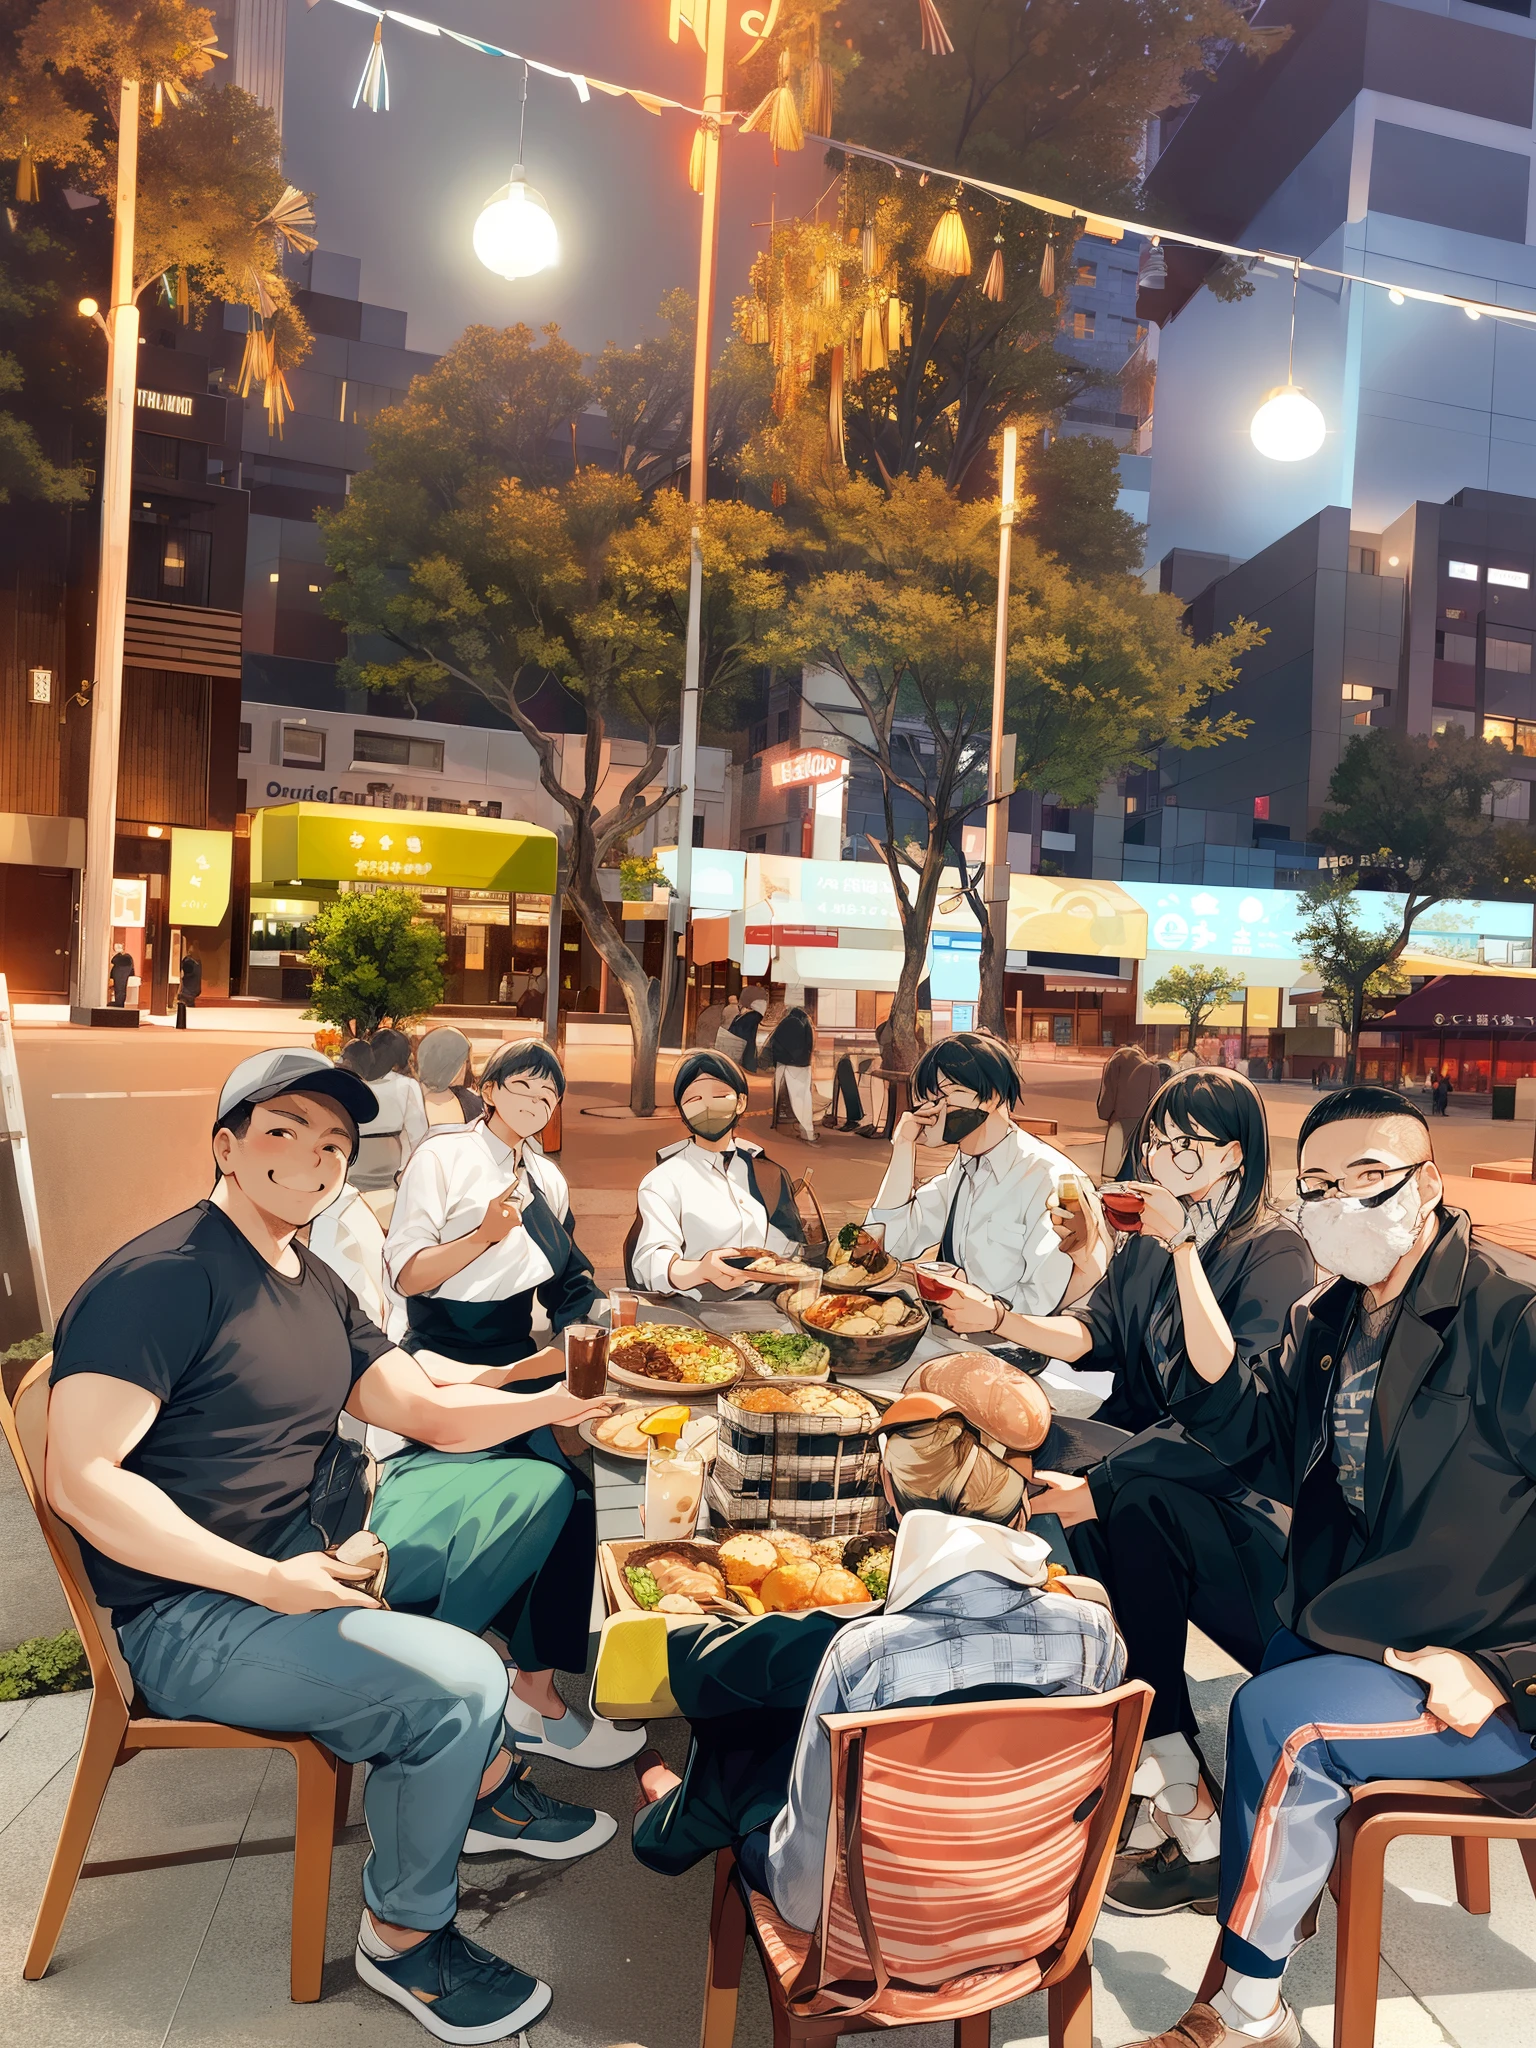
x: 1203, y: 2027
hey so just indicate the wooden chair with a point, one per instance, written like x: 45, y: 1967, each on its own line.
x: 1379, y: 1813
x: 966, y: 1858
x: 118, y: 1729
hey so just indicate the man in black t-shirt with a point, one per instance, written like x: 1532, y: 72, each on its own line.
x: 197, y: 1378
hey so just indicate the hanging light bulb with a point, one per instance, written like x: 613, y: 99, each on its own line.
x: 1396, y: 297
x: 1288, y: 427
x: 515, y: 234
x: 1472, y: 313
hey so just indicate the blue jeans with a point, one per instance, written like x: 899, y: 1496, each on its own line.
x: 1306, y: 1729
x: 419, y: 1700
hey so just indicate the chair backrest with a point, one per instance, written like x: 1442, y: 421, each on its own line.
x: 25, y: 1423
x: 970, y: 1837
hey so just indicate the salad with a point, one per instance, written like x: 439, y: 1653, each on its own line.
x: 787, y: 1351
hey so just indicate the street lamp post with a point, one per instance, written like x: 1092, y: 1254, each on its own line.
x: 94, y: 946
x: 998, y: 792
x: 716, y: 19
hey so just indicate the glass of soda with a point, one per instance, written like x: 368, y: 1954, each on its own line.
x: 586, y: 1361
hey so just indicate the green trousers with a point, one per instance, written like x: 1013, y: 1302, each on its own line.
x: 499, y: 1539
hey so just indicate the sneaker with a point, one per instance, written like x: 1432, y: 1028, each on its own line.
x: 586, y: 1741
x: 456, y: 1989
x: 1203, y: 2027
x: 1163, y: 1881
x: 517, y: 1819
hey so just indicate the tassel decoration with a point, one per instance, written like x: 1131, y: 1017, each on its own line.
x: 373, y: 87
x: 818, y: 96
x: 868, y: 253
x: 183, y: 296
x: 992, y: 283
x: 256, y: 361
x: 696, y: 160
x: 872, y: 340
x: 777, y: 115
x: 935, y: 35
x: 27, y: 193
x: 949, y: 249
x: 835, y: 438
x: 895, y: 316
x: 292, y: 214
x: 831, y: 287
x: 1048, y: 272
x: 276, y: 397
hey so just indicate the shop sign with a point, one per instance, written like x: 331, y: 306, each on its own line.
x: 128, y: 898
x: 719, y: 876
x: 955, y: 967
x: 1486, y: 1019
x: 811, y: 765
x: 791, y: 935
x: 200, y: 866
x: 446, y: 850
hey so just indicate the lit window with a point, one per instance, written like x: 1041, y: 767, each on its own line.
x: 1362, y: 718
x: 1511, y: 579
x: 1082, y: 326
x: 174, y: 570
x: 1087, y: 273
x: 314, y: 586
x: 1358, y: 693
x: 1261, y: 807
x: 1464, y: 572
x: 1449, y: 721
x: 273, y: 577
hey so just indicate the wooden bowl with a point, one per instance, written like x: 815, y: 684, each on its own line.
x: 852, y: 1356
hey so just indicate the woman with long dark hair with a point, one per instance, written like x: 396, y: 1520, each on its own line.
x: 1208, y: 1273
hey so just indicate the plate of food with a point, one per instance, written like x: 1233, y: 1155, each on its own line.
x: 865, y: 1333
x: 678, y: 1359
x: 857, y: 1260
x: 786, y: 1354
x: 621, y: 1436
x: 757, y: 1262
x: 780, y: 1397
x: 753, y: 1573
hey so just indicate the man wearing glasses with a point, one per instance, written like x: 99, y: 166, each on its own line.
x: 1399, y: 1425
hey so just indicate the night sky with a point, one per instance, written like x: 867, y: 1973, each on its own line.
x: 401, y: 190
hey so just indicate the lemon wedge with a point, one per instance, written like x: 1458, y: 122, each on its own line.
x: 666, y: 1423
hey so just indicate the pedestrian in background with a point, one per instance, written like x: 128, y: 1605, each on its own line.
x: 120, y: 968
x: 1118, y: 1069
x: 191, y: 987
x: 1442, y: 1093
x: 790, y: 1050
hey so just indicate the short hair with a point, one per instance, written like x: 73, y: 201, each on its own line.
x: 523, y: 1056
x: 442, y: 1057
x: 1230, y: 1109
x: 391, y: 1053
x: 981, y: 1064
x: 237, y: 1121
x: 1356, y: 1105
x: 357, y: 1056
x: 720, y: 1066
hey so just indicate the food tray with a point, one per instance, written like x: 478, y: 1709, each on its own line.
x: 618, y: 1599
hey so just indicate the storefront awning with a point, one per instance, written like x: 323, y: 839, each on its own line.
x: 293, y: 843
x: 1482, y: 1002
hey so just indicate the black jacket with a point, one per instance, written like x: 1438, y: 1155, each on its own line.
x: 1257, y: 1276
x: 1448, y: 1555
x: 793, y: 1040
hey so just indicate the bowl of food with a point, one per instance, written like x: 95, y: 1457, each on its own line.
x: 788, y: 1574
x: 865, y: 1333
x: 681, y: 1360
x: 856, y: 1260
x: 786, y: 1354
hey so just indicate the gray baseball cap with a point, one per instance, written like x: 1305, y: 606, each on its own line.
x: 291, y: 1070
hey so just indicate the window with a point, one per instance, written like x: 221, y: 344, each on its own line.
x: 1363, y: 561
x: 303, y: 746
x: 1450, y: 721
x: 1516, y: 734
x: 1359, y: 693
x: 758, y: 738
x: 1510, y: 579
x: 245, y: 736
x: 173, y: 568
x: 1082, y: 326
x: 396, y: 750
x: 784, y: 729
x: 361, y: 403
x: 1514, y: 656
x: 1040, y: 1028
x: 1461, y: 647
x: 1055, y: 818
x: 458, y: 809
x: 1463, y: 572
x: 698, y: 829
x: 759, y: 843
x: 1087, y: 273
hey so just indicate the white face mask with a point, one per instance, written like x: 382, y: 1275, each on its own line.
x: 1360, y: 1243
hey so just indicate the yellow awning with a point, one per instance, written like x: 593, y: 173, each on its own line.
x: 292, y: 843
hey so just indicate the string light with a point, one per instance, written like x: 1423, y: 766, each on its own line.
x: 515, y: 235
x: 1288, y: 427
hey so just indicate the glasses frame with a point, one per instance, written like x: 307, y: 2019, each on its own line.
x: 1333, y: 1190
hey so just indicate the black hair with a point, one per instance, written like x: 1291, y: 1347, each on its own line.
x: 523, y: 1056
x: 719, y: 1065
x: 238, y: 1121
x: 391, y: 1053
x: 1355, y: 1104
x: 982, y: 1064
x: 1217, y: 1103
x: 357, y: 1056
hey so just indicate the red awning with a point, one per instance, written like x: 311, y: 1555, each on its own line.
x: 1483, y: 1002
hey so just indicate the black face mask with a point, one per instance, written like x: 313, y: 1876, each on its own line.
x: 960, y: 1123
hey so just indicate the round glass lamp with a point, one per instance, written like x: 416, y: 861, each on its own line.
x: 1288, y: 427
x: 515, y: 235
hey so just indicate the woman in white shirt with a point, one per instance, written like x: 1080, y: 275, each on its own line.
x: 388, y: 1140
x: 482, y: 1228
x: 712, y: 1194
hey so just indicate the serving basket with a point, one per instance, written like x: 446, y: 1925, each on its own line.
x: 811, y: 1475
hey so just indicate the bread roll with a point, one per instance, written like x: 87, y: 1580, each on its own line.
x: 791, y: 1587
x: 837, y: 1588
x: 747, y: 1560
x: 1000, y: 1400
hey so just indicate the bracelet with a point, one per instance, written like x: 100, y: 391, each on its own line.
x: 1184, y: 1236
x: 1002, y: 1316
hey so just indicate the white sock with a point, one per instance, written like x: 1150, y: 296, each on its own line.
x: 1250, y: 2005
x: 1167, y: 1764
x: 372, y: 1943
x: 1145, y: 1832
x: 1199, y: 1839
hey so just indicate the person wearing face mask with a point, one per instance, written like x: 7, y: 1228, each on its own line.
x: 989, y: 1211
x: 1398, y: 1427
x: 712, y: 1194
x: 482, y: 1229
x: 1208, y: 1272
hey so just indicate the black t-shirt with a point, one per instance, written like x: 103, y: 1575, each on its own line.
x: 252, y: 1370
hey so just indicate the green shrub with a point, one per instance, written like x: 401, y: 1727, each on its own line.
x: 45, y: 1664
x: 374, y: 957
x: 28, y: 1350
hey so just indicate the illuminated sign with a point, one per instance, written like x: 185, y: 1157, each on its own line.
x: 810, y: 766
x: 719, y: 876
x: 200, y: 870
x: 166, y: 401
x: 790, y: 935
x: 336, y: 843
x: 128, y: 902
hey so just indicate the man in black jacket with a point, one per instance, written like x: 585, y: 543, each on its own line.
x: 1399, y: 1425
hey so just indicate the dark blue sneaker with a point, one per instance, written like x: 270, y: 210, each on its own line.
x: 458, y: 1990
x: 517, y: 1819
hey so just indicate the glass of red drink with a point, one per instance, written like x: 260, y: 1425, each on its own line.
x: 1123, y: 1207
x: 935, y: 1279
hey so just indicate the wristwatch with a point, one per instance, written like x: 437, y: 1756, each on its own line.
x: 1184, y: 1235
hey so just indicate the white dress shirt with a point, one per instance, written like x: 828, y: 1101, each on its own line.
x: 693, y: 1202
x: 1002, y: 1231
x: 448, y: 1184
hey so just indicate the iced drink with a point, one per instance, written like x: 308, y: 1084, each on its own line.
x: 622, y: 1307
x: 674, y: 1485
x: 936, y: 1280
x: 586, y: 1361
